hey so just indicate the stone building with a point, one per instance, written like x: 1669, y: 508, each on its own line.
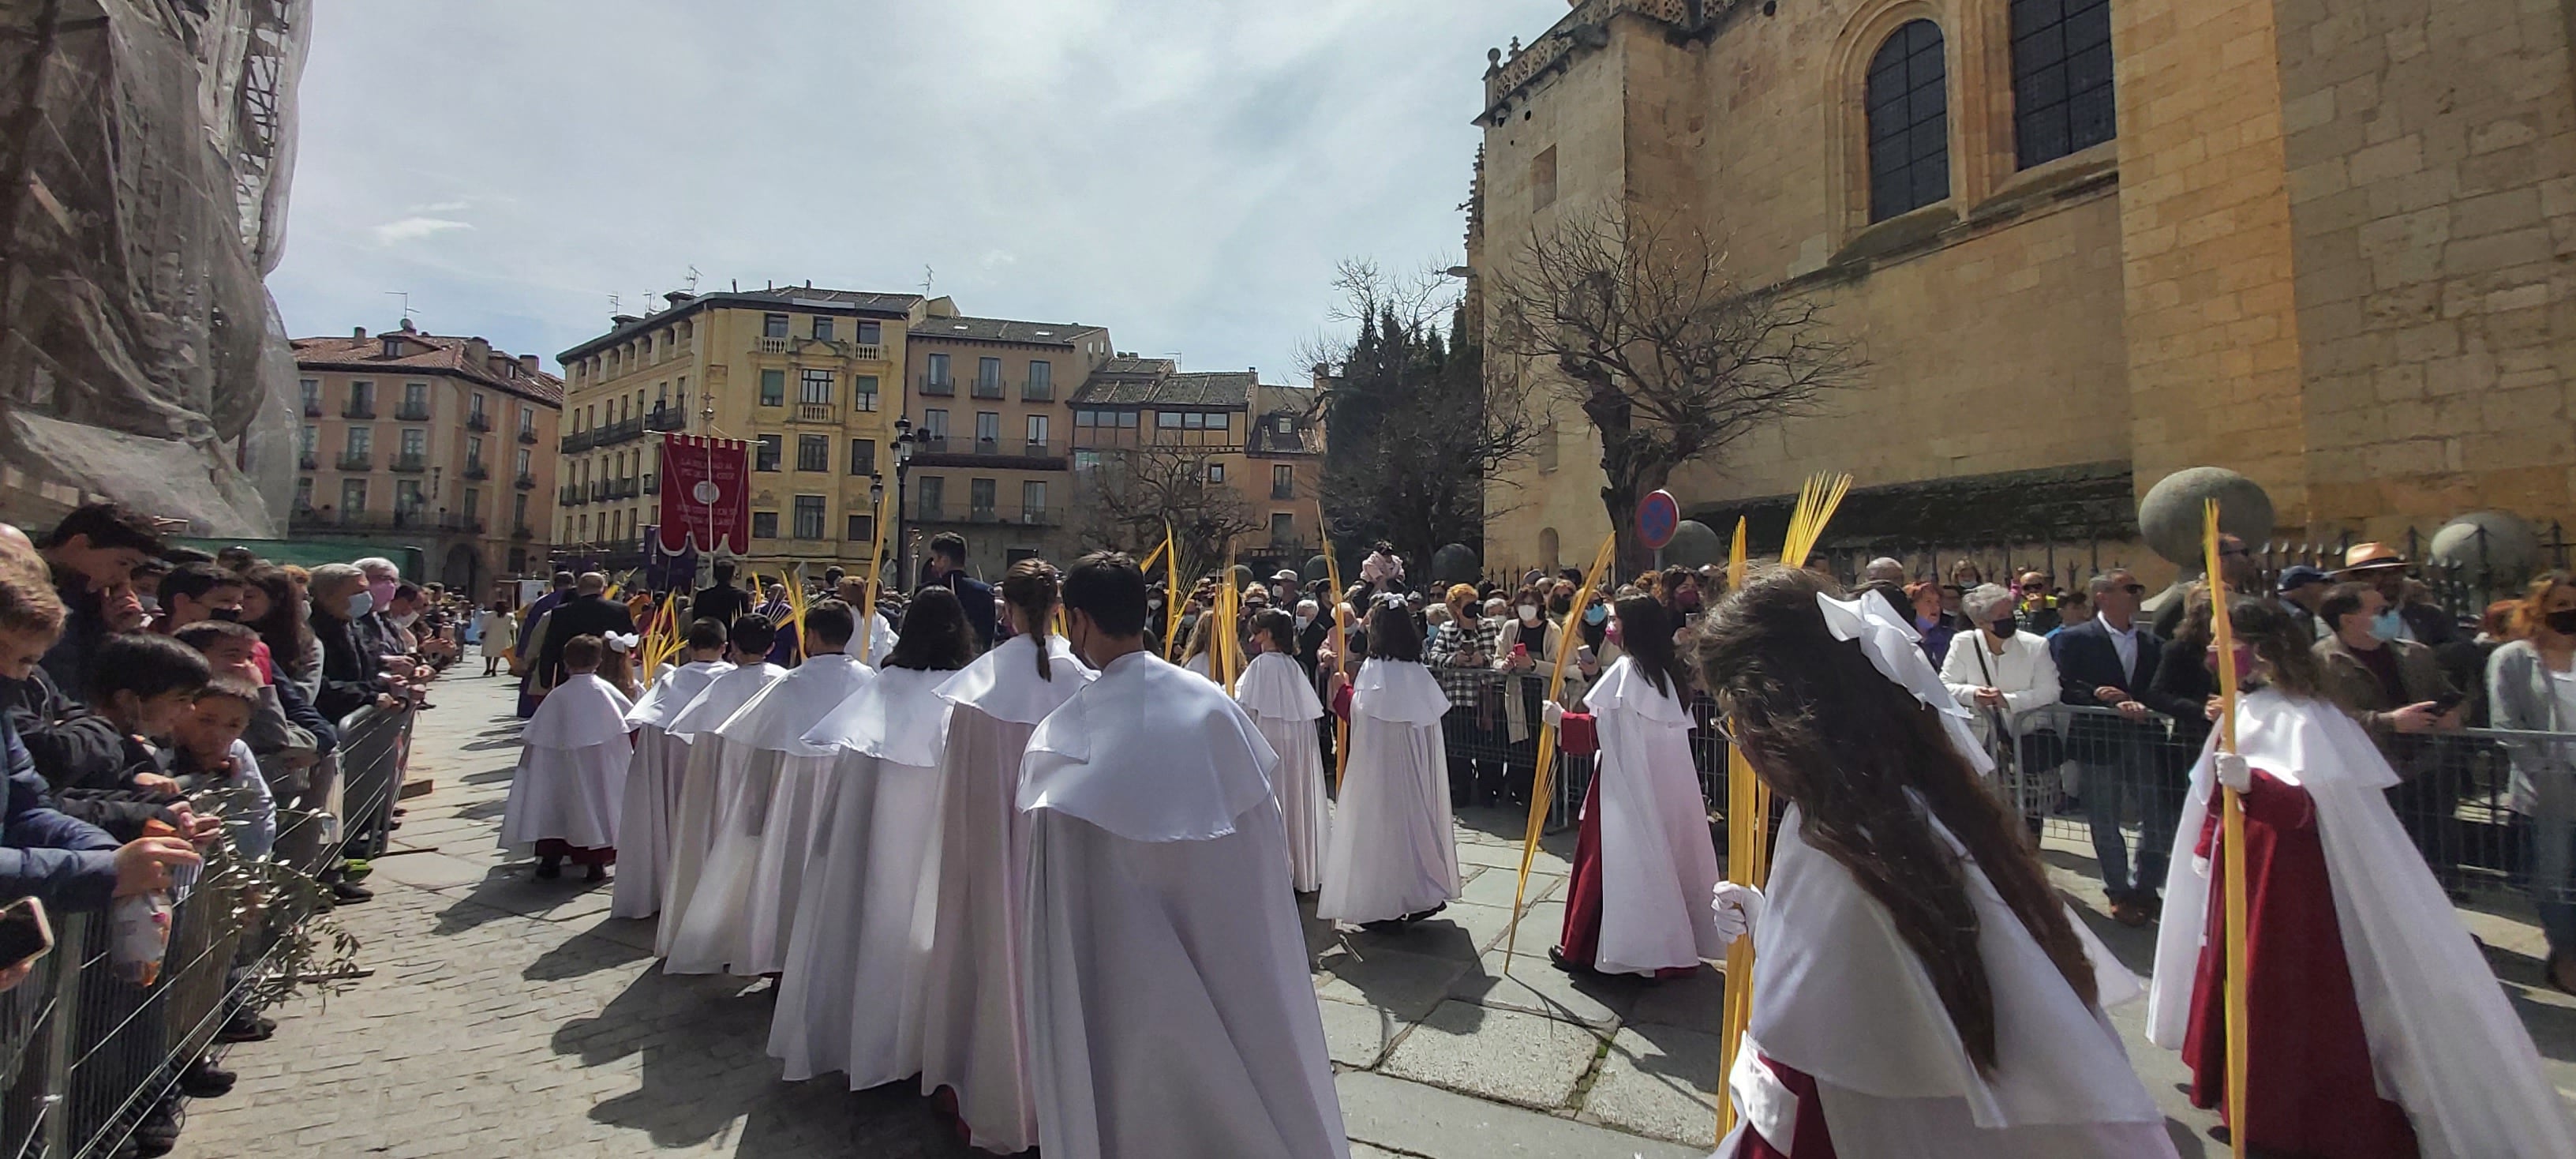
x: 990, y: 429
x: 2082, y: 246
x: 444, y: 441
x: 1264, y: 442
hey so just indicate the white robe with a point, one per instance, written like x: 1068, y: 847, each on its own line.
x: 693, y: 825
x: 653, y: 788
x: 881, y: 641
x: 974, y: 1039
x: 2444, y: 1043
x: 1658, y: 862
x: 1391, y: 852
x: 850, y: 991
x: 572, y: 768
x: 1281, y: 699
x: 1170, y: 1008
x: 1838, y: 995
x: 741, y: 914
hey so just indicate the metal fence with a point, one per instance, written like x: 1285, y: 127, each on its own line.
x: 94, y: 1038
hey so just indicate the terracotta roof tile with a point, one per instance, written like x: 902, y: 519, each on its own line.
x: 428, y: 354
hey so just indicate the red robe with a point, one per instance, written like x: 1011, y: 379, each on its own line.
x: 1580, y: 941
x: 2308, y: 1068
x: 1810, y: 1138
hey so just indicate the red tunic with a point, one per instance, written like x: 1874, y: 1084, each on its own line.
x: 1810, y: 1139
x: 2307, y: 1061
x: 1581, y: 938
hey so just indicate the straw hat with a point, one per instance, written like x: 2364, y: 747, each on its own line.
x: 2370, y: 557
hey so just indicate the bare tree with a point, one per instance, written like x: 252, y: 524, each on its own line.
x: 1670, y: 358
x: 1136, y: 492
x: 1415, y: 427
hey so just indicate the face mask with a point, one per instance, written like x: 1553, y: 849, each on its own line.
x: 1302, y: 621
x: 2562, y: 621
x: 1613, y: 634
x: 360, y: 603
x: 2244, y: 660
x: 382, y: 590
x: 405, y: 620
x: 1595, y: 614
x: 1689, y: 602
x: 1559, y: 605
x: 2004, y: 629
x: 227, y: 615
x: 1156, y: 605
x: 1529, y: 613
x: 2388, y: 625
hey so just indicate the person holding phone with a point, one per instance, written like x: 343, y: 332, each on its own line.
x: 1525, y: 653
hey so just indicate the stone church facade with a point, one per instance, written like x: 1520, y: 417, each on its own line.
x: 2083, y: 244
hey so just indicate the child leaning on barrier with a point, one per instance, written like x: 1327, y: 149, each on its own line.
x: 114, y: 775
x: 210, y: 755
x: 286, y: 750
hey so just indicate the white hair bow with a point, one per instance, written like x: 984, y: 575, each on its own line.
x: 1895, y: 649
x: 621, y: 642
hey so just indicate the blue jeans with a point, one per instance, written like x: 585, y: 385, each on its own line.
x: 2131, y: 772
x: 2549, y: 856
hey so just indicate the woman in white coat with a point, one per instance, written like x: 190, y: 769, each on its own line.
x: 1644, y: 860
x: 2002, y: 675
x: 1281, y: 701
x: 1392, y: 857
x: 974, y: 1042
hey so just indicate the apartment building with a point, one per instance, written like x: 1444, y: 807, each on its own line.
x: 990, y: 431
x: 1262, y: 441
x: 441, y: 441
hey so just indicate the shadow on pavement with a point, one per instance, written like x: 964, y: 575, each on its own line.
x: 585, y: 953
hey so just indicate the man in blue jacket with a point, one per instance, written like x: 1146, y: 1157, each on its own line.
x: 2106, y: 662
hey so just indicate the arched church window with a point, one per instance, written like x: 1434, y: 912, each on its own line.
x: 1908, y: 105
x: 2061, y: 53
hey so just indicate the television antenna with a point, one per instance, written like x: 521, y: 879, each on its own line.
x: 925, y: 279
x: 405, y: 296
x: 693, y: 279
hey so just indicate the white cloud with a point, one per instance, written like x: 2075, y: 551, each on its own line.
x: 1183, y: 172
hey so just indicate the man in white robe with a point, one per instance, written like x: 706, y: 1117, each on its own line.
x: 653, y: 775
x: 693, y: 827
x: 1169, y: 1004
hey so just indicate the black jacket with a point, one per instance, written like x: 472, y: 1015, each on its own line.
x: 2087, y: 660
x: 592, y: 615
x: 95, y: 781
x: 349, y: 676
x: 976, y: 597
x: 720, y: 603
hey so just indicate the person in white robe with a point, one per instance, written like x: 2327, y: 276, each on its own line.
x: 693, y: 826
x: 653, y: 775
x: 1391, y: 856
x: 850, y: 991
x: 1169, y: 1003
x: 1637, y: 901
x: 877, y: 632
x: 1918, y: 989
x: 741, y: 914
x: 1280, y: 697
x: 565, y: 797
x: 974, y: 1040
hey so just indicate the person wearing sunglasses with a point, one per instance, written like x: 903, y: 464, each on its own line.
x: 2107, y: 663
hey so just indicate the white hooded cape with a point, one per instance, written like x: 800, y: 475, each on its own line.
x: 1169, y: 1004
x: 693, y: 825
x: 2444, y: 1043
x: 1281, y: 699
x: 1391, y: 852
x: 737, y: 916
x: 849, y: 999
x: 1657, y: 860
x: 653, y: 788
x: 974, y: 1040
x: 572, y: 768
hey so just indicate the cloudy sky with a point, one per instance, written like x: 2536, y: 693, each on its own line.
x: 1185, y: 172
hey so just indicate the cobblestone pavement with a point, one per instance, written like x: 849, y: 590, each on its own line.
x: 508, y: 1017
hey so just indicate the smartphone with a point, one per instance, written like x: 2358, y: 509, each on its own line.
x: 2442, y: 704
x: 1584, y: 654
x: 25, y: 934
x: 1520, y: 651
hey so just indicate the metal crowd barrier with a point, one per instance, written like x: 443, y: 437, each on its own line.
x: 87, y: 1048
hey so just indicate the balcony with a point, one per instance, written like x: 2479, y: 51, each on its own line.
x: 478, y: 422
x: 1280, y: 493
x: 408, y: 464
x: 664, y: 418
x: 313, y: 408
x: 599, y: 491
x: 815, y: 412
x: 777, y: 345
x: 625, y: 488
x: 358, y: 410
x: 475, y: 471
x: 308, y: 461
x: 523, y: 532
x: 525, y: 482
x: 528, y: 435
x: 1036, y: 391
x: 308, y: 520
x: 938, y: 387
x: 868, y: 351
x: 572, y: 495
x: 1019, y: 454
x: 357, y: 461
x: 988, y: 388
x: 652, y: 484
x: 930, y: 510
x: 412, y: 412
x: 579, y: 441
x: 1025, y: 516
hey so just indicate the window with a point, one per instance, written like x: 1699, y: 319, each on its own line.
x: 2061, y: 77
x: 1220, y: 422
x: 1086, y: 460
x: 988, y: 378
x: 1283, y: 482
x: 934, y: 497
x: 1908, y: 108
x: 988, y: 428
x: 773, y: 388
x: 519, y: 510
x: 1127, y: 419
x: 473, y: 452
x: 1283, y: 527
x: 1082, y: 418
x: 1216, y: 473
x: 473, y: 504
x: 1543, y: 179
x: 823, y: 327
x: 474, y: 407
x: 979, y: 497
x: 408, y: 499
x: 362, y: 440
x: 764, y: 525
x: 814, y: 387
x: 1037, y: 430
x: 863, y: 456
x: 870, y: 333
x: 312, y: 443
x: 1032, y: 501
x: 809, y: 517
x: 863, y: 529
x: 362, y: 398
x: 1170, y: 419
x: 773, y: 325
x: 934, y: 426
x: 936, y: 375
x: 415, y: 398
x: 353, y: 496
x: 766, y: 454
x: 863, y: 392
x: 415, y: 443
x: 527, y: 421
x: 312, y: 388
x: 1284, y: 425
x: 304, y: 492
x: 526, y: 466
x: 813, y: 453
x: 1041, y: 385
x: 1193, y: 421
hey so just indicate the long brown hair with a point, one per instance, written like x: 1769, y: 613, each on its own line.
x: 1031, y: 587
x: 2282, y: 645
x: 1854, y: 751
x: 1646, y: 634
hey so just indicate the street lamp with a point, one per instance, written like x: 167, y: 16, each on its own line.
x: 903, y: 447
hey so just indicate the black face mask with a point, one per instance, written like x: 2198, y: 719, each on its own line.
x: 227, y: 615
x: 1559, y: 606
x: 2562, y: 621
x: 2003, y: 629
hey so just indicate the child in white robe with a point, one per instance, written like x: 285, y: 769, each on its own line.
x: 1391, y: 857
x: 1281, y: 700
x: 566, y: 796
x: 653, y: 776
x: 693, y: 824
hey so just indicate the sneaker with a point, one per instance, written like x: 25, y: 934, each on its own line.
x: 204, y: 1079
x: 348, y: 892
x: 357, y: 869
x: 2126, y: 911
x: 245, y: 1026
x: 158, y: 1133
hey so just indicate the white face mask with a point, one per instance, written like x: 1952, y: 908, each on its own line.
x: 406, y: 619
x: 1302, y: 621
x: 1529, y: 613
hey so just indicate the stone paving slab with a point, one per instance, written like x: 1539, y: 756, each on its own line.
x: 1534, y: 986
x: 1497, y: 1054
x: 1406, y: 985
x: 1412, y: 1119
x: 1657, y: 1080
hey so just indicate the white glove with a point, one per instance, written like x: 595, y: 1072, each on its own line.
x: 2233, y: 772
x: 1552, y: 713
x: 1737, y: 908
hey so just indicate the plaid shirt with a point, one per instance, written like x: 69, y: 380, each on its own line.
x: 1463, y: 681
